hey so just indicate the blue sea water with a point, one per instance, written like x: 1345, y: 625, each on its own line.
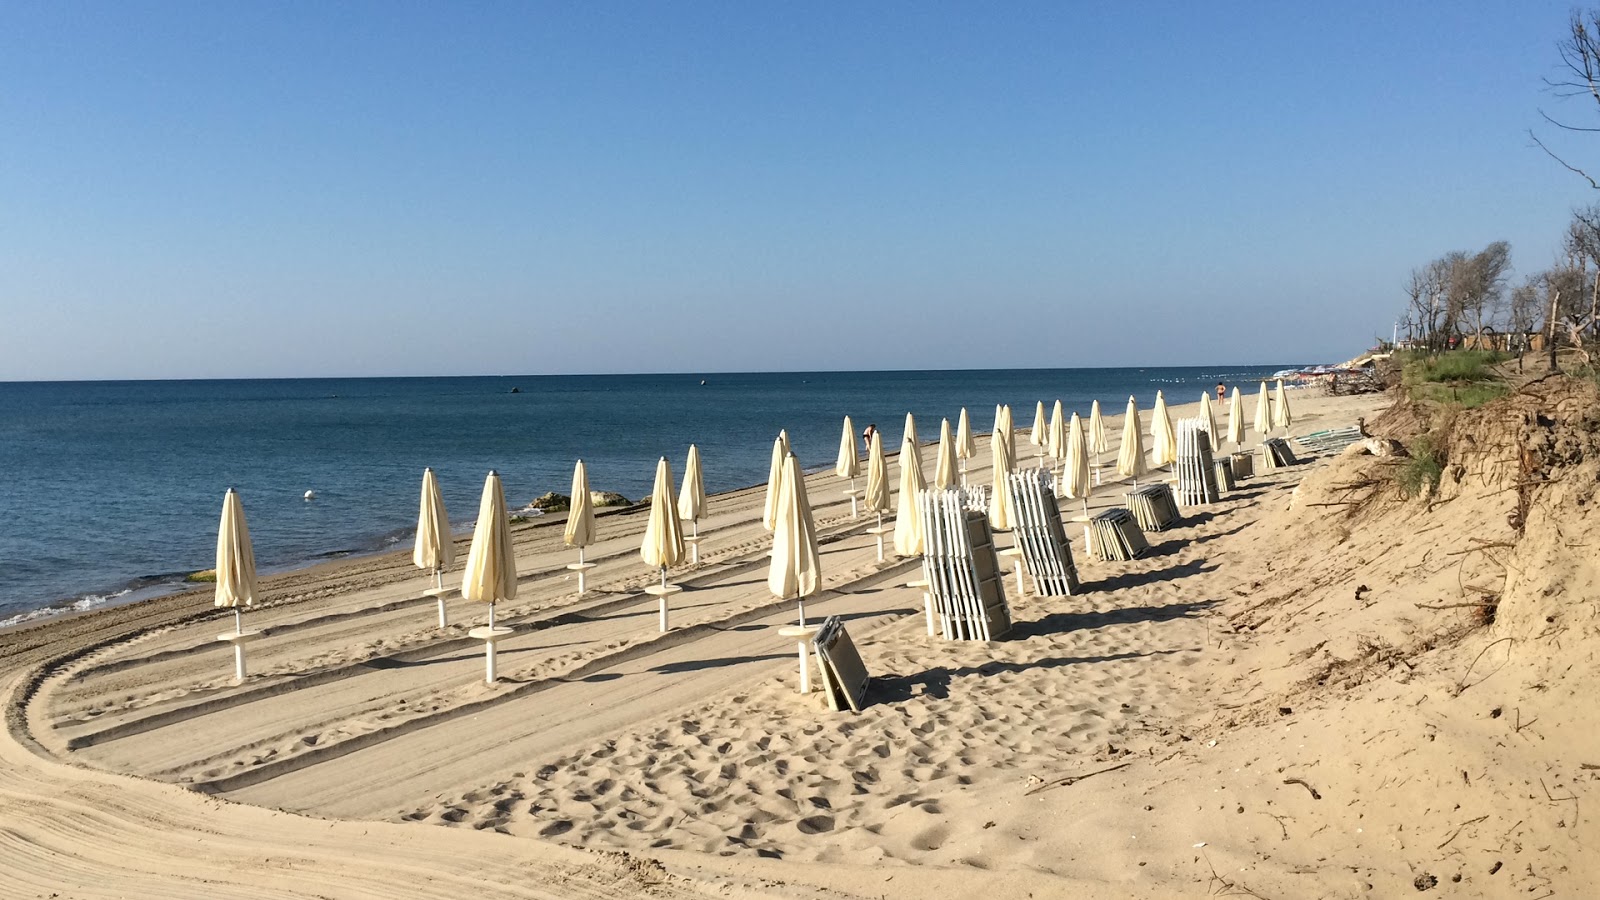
x: 111, y: 491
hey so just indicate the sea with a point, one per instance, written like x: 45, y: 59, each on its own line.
x: 111, y: 491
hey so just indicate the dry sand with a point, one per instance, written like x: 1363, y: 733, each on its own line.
x: 1193, y: 686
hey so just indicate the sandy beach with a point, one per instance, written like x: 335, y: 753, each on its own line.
x: 1288, y: 696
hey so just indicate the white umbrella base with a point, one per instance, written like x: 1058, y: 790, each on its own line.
x: 921, y: 584
x: 439, y: 594
x: 490, y: 637
x: 582, y: 569
x: 802, y: 635
x: 694, y: 549
x: 238, y: 639
x: 1015, y: 555
x: 661, y: 592
x: 878, y: 532
x: 853, y: 494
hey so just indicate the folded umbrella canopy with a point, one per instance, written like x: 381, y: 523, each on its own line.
x: 877, y: 498
x: 1040, y: 433
x: 796, y: 568
x: 1263, y: 422
x: 692, y: 499
x: 1131, y: 461
x: 662, y: 546
x: 1163, y: 439
x: 1056, y: 437
x: 1075, y: 470
x: 1210, y: 421
x: 944, y: 467
x: 908, y: 518
x: 491, y: 571
x: 849, y: 464
x: 1281, y: 417
x: 1003, y: 452
x: 580, y: 523
x: 433, y: 551
x: 1236, y: 419
x: 1098, y: 441
x: 236, y: 574
x: 965, y: 446
x: 780, y: 450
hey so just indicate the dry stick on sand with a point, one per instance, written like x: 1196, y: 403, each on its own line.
x: 1461, y: 686
x: 1305, y: 784
x: 1073, y: 779
x: 1458, y: 830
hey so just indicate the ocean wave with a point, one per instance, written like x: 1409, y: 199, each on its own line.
x: 80, y: 604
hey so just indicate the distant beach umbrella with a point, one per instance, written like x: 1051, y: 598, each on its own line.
x: 1040, y: 433
x: 1236, y: 419
x: 944, y: 467
x: 236, y: 574
x: 663, y: 545
x: 692, y: 501
x: 580, y: 512
x: 849, y: 464
x: 692, y: 497
x: 580, y: 523
x: 1263, y: 422
x: 910, y: 434
x: 1098, y: 441
x: 434, y: 551
x: 1210, y: 420
x: 1075, y: 471
x: 1163, y: 438
x: 908, y: 518
x: 1003, y: 451
x: 1281, y: 416
x: 796, y: 568
x: 877, y: 498
x: 966, y: 448
x: 1131, y: 461
x: 1056, y: 439
x: 780, y: 450
x: 491, y: 570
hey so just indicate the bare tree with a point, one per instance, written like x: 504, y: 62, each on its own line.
x: 1478, y: 285
x: 1526, y: 304
x: 1580, y: 58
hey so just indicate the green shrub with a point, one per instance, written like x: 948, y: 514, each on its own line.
x: 207, y: 576
x: 1419, y: 475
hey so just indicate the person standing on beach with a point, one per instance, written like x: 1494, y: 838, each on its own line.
x: 1222, y: 392
x: 866, y: 436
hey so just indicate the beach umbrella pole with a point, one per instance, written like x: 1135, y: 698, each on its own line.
x: 694, y: 545
x: 238, y: 646
x: 438, y: 579
x: 802, y: 612
x: 880, y: 537
x: 663, y: 599
x: 963, y: 473
x: 489, y: 671
x: 853, y: 513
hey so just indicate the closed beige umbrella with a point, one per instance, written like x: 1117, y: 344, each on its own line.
x: 1056, y: 441
x: 907, y: 518
x: 1039, y: 435
x: 434, y: 551
x: 877, y: 496
x: 1003, y: 451
x: 580, y: 523
x: 910, y: 434
x: 1263, y: 422
x: 1236, y: 419
x: 692, y: 502
x: 1281, y: 417
x: 662, y: 546
x: 1210, y: 420
x: 491, y: 571
x: 966, y: 448
x: 780, y: 449
x: 796, y: 568
x: 1163, y: 439
x: 1131, y: 461
x: 1075, y: 471
x: 849, y: 463
x: 236, y: 575
x: 944, y: 469
x: 1098, y: 441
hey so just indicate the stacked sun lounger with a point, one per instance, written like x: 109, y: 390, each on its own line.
x: 962, y: 570
x: 1244, y: 464
x: 975, y: 497
x: 1224, y: 468
x: 1275, y: 454
x: 1152, y: 506
x: 1046, y: 552
x: 1332, y: 440
x: 1114, y: 535
x: 1197, y: 474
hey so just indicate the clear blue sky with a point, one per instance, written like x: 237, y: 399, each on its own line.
x: 286, y: 189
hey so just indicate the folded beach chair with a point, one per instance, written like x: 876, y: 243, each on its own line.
x: 1332, y: 440
x: 961, y: 569
x: 1197, y: 474
x: 1114, y: 535
x: 1224, y: 470
x: 1046, y: 551
x: 1152, y: 506
x: 1275, y: 454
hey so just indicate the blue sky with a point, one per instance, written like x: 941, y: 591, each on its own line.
x: 299, y: 189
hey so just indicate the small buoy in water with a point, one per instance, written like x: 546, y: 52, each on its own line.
x: 516, y: 390
x: 702, y: 382
x: 311, y: 495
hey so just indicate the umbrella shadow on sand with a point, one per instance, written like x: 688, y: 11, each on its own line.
x: 1062, y: 622
x: 935, y: 683
x: 1141, y: 579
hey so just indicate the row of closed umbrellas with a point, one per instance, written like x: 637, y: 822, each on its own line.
x: 490, y: 573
